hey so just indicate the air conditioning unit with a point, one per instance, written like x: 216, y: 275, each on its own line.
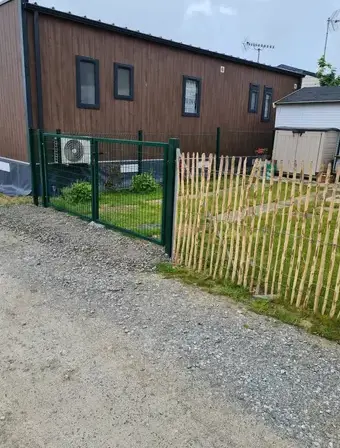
x: 75, y: 151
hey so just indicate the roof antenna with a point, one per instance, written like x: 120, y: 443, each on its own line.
x: 257, y: 47
x: 333, y: 24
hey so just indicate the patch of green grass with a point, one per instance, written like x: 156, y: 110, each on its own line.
x: 137, y: 212
x: 205, y: 282
x: 252, y: 197
x: 126, y: 197
x: 277, y: 308
x: 14, y: 200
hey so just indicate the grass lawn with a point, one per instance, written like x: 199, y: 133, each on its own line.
x: 137, y: 212
x: 254, y: 196
x: 14, y: 200
x: 302, y: 274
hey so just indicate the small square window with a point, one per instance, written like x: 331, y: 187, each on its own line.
x: 253, y: 101
x: 123, y: 82
x: 87, y: 82
x: 267, y: 103
x: 191, y: 96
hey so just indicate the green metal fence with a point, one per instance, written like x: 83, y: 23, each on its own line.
x: 125, y: 184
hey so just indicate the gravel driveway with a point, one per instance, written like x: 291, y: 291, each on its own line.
x: 97, y: 350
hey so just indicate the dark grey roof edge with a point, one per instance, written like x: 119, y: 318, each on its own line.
x: 297, y: 70
x: 2, y: 2
x: 158, y: 40
x: 311, y: 95
x: 294, y: 128
x: 288, y: 103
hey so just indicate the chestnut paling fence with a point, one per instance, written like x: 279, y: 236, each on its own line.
x: 272, y: 232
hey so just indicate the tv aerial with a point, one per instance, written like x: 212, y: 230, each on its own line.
x: 257, y: 47
x: 333, y: 24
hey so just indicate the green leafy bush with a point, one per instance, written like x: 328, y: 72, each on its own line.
x: 144, y: 183
x: 78, y: 192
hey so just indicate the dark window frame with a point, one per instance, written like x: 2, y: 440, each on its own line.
x: 253, y: 88
x: 267, y: 90
x: 199, y: 82
x: 116, y: 67
x: 95, y: 62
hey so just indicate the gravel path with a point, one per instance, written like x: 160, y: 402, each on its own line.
x: 97, y: 350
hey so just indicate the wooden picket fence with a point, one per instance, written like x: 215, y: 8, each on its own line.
x: 272, y: 232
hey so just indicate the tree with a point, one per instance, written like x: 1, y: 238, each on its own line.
x: 327, y: 73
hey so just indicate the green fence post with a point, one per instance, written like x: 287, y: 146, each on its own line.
x: 170, y: 194
x: 94, y: 180
x: 165, y: 194
x: 140, y: 152
x: 218, y: 147
x: 43, y: 169
x: 33, y: 163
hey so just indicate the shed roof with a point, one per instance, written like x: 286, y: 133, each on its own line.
x: 158, y: 40
x: 310, y: 95
x: 297, y: 70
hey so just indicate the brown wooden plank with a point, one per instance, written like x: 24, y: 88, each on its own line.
x: 13, y: 139
x: 157, y: 105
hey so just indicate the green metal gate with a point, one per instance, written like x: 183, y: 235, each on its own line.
x: 124, y: 184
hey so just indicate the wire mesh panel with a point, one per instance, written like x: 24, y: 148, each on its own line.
x: 68, y: 173
x: 131, y: 181
x: 117, y: 182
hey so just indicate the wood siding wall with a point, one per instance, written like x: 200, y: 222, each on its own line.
x: 13, y: 142
x: 157, y: 105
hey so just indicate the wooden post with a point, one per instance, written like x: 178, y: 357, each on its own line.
x: 204, y: 229
x: 215, y: 216
x: 272, y: 230
x: 309, y: 250
x: 180, y: 204
x: 281, y: 232
x: 177, y: 205
x: 321, y: 269
x: 302, y: 239
x: 239, y: 220
x: 264, y: 239
x: 210, y: 216
x: 230, y: 196
x: 335, y: 295
x: 233, y: 225
x: 258, y: 227
x: 196, y: 201
x: 221, y: 222
x: 333, y: 258
x: 257, y: 174
x: 318, y: 243
x: 186, y: 161
x: 191, y: 200
x: 245, y: 227
x: 199, y: 212
x: 296, y: 233
x: 287, y: 233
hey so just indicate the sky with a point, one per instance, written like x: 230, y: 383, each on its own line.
x: 296, y: 27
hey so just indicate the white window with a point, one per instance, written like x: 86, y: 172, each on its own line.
x: 267, y: 103
x: 191, y: 96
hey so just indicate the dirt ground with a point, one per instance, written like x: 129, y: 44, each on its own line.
x: 94, y: 351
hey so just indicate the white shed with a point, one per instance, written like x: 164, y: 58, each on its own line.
x: 307, y: 127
